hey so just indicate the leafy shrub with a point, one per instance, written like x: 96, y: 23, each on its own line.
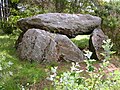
x: 5, y: 69
x: 8, y: 26
x: 4, y: 66
x: 72, y: 80
x: 110, y: 14
x: 68, y: 80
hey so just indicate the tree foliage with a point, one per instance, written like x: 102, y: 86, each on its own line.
x: 14, y: 1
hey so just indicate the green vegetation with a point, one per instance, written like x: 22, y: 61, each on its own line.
x: 82, y: 41
x: 13, y: 72
x: 110, y: 14
x: 108, y: 11
x: 16, y: 74
x: 73, y: 80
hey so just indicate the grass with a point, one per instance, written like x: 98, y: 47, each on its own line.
x: 82, y: 41
x: 31, y: 75
x: 23, y: 71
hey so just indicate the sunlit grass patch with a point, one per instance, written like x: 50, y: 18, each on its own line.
x: 82, y: 41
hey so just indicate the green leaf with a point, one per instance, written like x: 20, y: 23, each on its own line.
x: 14, y: 1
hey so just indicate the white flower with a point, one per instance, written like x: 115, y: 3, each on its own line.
x: 11, y: 73
x: 23, y: 88
x: 79, y: 71
x: 61, y: 80
x: 88, y: 54
x: 53, y: 69
x: 1, y: 68
x: 10, y: 63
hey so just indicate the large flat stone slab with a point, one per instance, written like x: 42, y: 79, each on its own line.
x: 66, y: 24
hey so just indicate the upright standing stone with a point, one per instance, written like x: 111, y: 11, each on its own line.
x: 96, y: 42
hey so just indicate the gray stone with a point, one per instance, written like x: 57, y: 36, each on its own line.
x: 66, y: 24
x: 96, y: 42
x: 42, y: 46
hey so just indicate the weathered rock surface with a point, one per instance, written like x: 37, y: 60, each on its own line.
x: 66, y: 24
x: 96, y: 42
x: 42, y: 46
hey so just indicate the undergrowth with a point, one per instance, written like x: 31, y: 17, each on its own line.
x: 14, y: 73
x: 98, y: 78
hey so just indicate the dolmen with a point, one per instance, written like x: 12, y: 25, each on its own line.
x: 46, y: 37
